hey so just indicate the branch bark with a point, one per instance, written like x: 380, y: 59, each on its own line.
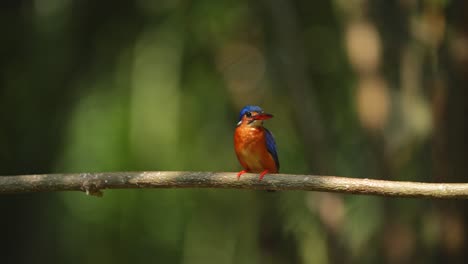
x: 94, y: 183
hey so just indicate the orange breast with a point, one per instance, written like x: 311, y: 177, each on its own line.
x: 251, y: 151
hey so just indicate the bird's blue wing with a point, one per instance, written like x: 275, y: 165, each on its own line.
x: 271, y: 146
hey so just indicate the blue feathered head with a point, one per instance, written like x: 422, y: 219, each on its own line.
x: 249, y: 108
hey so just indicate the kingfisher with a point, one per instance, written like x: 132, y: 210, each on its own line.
x: 254, y: 144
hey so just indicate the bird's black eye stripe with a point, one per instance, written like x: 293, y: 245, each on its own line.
x: 248, y: 114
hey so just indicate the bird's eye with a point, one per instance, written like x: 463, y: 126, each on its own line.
x: 248, y: 114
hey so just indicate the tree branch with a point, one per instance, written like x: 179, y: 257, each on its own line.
x: 93, y: 183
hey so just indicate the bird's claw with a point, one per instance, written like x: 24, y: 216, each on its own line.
x: 259, y: 178
x: 240, y: 173
x: 262, y: 175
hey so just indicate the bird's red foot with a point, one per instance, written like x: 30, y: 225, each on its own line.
x: 240, y: 173
x: 262, y: 175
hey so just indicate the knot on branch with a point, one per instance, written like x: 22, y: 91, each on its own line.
x: 93, y: 187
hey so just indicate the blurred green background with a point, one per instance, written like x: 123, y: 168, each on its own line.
x: 374, y: 89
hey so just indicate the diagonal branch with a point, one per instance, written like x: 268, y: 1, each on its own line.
x: 93, y: 183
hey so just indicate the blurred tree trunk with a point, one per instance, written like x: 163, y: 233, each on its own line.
x: 455, y: 131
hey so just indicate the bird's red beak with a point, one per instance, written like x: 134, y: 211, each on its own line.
x: 263, y: 116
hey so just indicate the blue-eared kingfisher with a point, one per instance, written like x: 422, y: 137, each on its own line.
x: 254, y: 145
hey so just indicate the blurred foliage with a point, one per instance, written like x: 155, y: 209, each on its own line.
x: 362, y: 88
